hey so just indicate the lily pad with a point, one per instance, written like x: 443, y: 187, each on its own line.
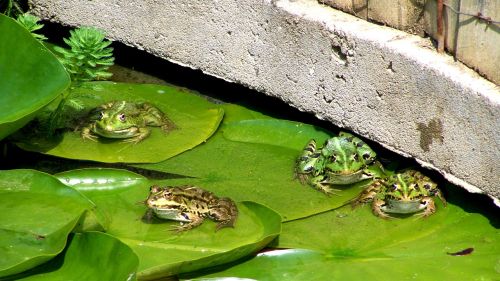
x: 289, y: 134
x: 196, y: 120
x: 162, y: 252
x: 37, y: 213
x: 254, y: 160
x: 459, y: 242
x: 89, y: 256
x: 31, y: 76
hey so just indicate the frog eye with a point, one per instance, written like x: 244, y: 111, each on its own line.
x: 427, y: 186
x: 356, y: 157
x: 101, y: 115
x: 394, y: 187
x: 366, y: 156
x: 333, y: 158
x: 122, y: 117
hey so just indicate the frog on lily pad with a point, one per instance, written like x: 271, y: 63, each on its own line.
x: 343, y: 159
x: 125, y: 120
x: 407, y: 192
x: 190, y: 205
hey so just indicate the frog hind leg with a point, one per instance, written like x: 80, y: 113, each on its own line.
x: 156, y: 118
x: 225, y: 213
x: 195, y: 221
x: 367, y: 195
x: 440, y: 196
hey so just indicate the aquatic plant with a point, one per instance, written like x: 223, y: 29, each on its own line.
x: 89, y: 55
x: 88, y: 59
x: 30, y: 22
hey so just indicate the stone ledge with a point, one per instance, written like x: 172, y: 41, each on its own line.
x: 384, y: 84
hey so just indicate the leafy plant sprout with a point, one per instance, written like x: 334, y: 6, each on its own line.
x: 30, y: 22
x: 89, y: 56
x: 88, y: 59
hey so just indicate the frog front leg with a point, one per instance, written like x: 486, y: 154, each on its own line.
x: 321, y: 183
x: 430, y: 206
x: 195, y: 221
x: 141, y: 133
x: 377, y: 205
x: 87, y: 134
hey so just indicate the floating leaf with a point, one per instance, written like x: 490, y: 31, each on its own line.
x: 89, y: 256
x: 37, y: 213
x: 260, y: 167
x: 196, y: 120
x: 163, y: 252
x: 31, y: 76
x: 350, y: 244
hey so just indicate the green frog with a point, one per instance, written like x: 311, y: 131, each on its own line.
x: 407, y: 192
x: 191, y: 205
x: 125, y: 120
x: 344, y: 159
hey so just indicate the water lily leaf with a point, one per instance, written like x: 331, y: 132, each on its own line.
x: 37, y: 212
x: 288, y: 134
x: 162, y: 252
x: 260, y: 168
x: 196, y: 120
x: 31, y: 76
x: 89, y: 256
x: 459, y: 242
x: 289, y: 264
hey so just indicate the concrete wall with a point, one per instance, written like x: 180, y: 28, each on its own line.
x: 383, y: 84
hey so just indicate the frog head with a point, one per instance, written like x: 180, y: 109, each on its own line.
x: 117, y: 120
x: 347, y: 157
x: 408, y: 186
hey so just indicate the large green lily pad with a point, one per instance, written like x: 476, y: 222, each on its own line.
x: 30, y: 76
x: 456, y: 243
x: 196, y: 120
x: 253, y: 159
x: 163, y: 252
x: 89, y: 256
x: 37, y: 212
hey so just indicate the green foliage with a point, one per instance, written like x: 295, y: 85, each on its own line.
x: 89, y: 55
x: 30, y: 22
x: 29, y: 234
x: 30, y: 76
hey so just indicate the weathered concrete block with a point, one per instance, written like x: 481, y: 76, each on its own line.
x: 383, y: 84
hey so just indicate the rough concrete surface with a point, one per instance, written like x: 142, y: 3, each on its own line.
x: 384, y: 84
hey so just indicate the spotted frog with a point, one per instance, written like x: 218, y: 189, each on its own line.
x: 191, y: 205
x: 125, y: 120
x: 344, y: 159
x: 406, y: 192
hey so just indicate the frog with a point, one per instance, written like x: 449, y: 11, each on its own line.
x: 408, y: 192
x: 343, y: 159
x: 125, y: 120
x: 190, y: 205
